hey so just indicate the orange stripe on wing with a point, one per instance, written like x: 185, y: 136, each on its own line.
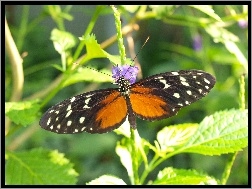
x: 148, y: 106
x: 113, y: 112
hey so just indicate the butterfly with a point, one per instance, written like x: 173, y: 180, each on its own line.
x: 153, y: 98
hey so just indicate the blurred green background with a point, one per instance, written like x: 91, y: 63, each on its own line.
x: 179, y: 39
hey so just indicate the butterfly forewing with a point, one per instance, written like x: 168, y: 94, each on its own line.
x: 90, y: 112
x: 162, y: 95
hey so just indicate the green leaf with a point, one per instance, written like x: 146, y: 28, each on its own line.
x: 62, y: 40
x: 220, y: 34
x: 107, y: 180
x: 125, y: 158
x: 131, y: 8
x: 40, y: 167
x: 23, y: 113
x: 207, y: 9
x: 162, y: 11
x: 175, y: 136
x: 57, y: 14
x: 124, y: 129
x: 88, y: 74
x: 94, y: 50
x: 174, y: 176
x: 221, y: 133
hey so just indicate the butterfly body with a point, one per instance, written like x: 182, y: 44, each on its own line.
x: 153, y: 98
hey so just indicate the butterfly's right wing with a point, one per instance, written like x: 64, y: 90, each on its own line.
x: 162, y: 95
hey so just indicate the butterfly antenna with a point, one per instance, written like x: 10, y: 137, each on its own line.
x: 141, y: 48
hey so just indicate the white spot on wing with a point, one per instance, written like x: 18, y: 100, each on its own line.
x: 189, y: 92
x: 176, y: 95
x: 208, y: 82
x: 185, y: 83
x: 49, y: 121
x: 68, y: 113
x: 175, y: 73
x: 69, y: 107
x: 69, y: 123
x: 72, y: 99
x: 82, y: 119
x: 182, y: 79
x: 165, y: 83
x: 86, y: 102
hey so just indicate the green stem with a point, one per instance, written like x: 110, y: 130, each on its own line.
x: 135, y: 179
x: 242, y: 93
x: 228, y: 168
x: 134, y: 135
x: 119, y: 35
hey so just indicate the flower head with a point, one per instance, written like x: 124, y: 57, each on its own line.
x: 243, y: 23
x: 197, y: 42
x: 126, y: 71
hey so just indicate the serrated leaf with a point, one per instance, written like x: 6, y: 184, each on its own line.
x: 175, y: 136
x: 23, y: 113
x: 94, y: 50
x: 207, y: 9
x: 221, y: 133
x: 107, y: 180
x: 62, y: 40
x: 174, y: 176
x: 39, y: 167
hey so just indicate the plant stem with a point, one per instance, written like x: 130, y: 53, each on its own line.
x: 119, y: 35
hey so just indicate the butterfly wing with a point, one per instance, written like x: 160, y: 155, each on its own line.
x: 97, y: 111
x: 162, y: 95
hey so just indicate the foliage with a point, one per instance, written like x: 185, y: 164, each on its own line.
x: 181, y: 37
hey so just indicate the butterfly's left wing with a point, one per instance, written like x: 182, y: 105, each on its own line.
x: 162, y: 95
x: 97, y: 111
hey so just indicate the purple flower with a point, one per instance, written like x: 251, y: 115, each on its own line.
x: 126, y: 71
x: 243, y: 23
x: 197, y: 42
